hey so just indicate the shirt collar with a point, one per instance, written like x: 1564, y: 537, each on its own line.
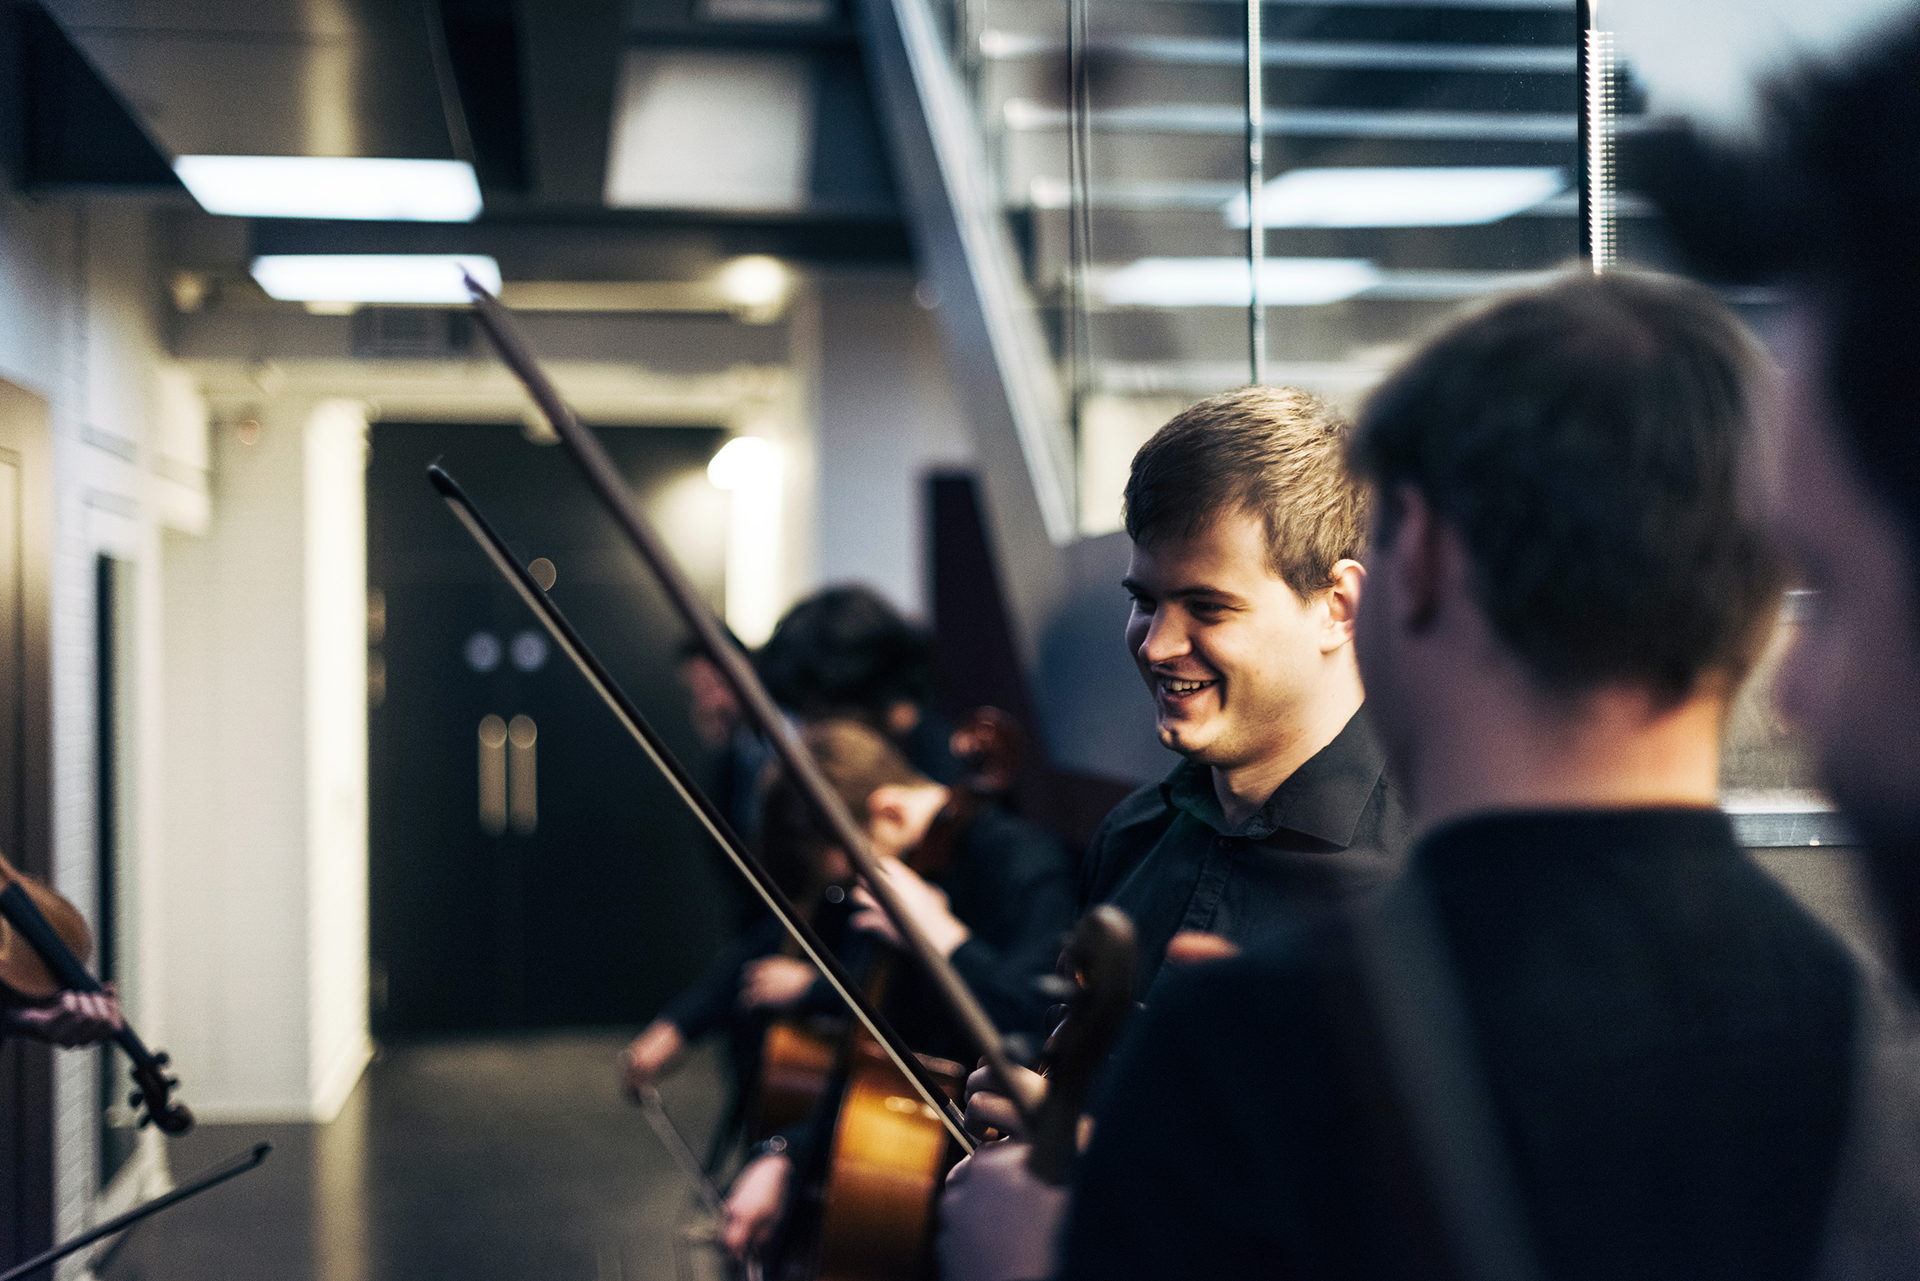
x: 1323, y: 799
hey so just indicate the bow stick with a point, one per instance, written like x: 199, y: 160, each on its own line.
x: 690, y: 792
x: 220, y: 1174
x: 605, y: 480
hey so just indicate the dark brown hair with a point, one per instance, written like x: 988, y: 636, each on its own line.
x: 858, y: 761
x: 1584, y: 441
x: 1273, y: 452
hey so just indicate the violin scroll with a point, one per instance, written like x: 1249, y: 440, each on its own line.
x: 156, y: 1093
x: 1100, y: 954
x: 990, y: 744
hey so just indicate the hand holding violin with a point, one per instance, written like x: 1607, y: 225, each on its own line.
x: 70, y: 1020
x: 754, y: 1205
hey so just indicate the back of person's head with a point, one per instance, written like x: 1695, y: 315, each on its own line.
x: 1277, y: 453
x: 1829, y: 199
x: 1583, y: 440
x: 845, y: 652
x: 857, y: 761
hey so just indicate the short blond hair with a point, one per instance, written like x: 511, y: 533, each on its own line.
x: 1279, y: 453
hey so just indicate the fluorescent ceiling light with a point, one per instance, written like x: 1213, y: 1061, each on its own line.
x: 1223, y: 282
x: 1410, y: 197
x: 332, y: 187
x: 395, y: 278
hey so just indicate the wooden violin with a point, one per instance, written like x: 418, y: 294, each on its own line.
x: 42, y: 938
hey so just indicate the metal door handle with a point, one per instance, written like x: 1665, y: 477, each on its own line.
x: 493, y: 775
x: 523, y: 798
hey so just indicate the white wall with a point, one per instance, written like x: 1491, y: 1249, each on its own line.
x: 265, y: 685
x: 887, y: 415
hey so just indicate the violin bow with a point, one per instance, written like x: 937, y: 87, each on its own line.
x: 606, y: 482
x: 695, y: 799
x: 219, y: 1174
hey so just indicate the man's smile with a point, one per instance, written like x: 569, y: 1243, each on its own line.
x: 1178, y: 690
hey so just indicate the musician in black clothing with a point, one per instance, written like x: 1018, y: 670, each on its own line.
x: 1824, y: 203
x: 1246, y: 529
x: 998, y: 905
x: 1583, y: 1036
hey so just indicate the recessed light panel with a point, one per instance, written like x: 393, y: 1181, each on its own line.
x: 1223, y: 282
x: 332, y: 187
x: 377, y: 278
x: 1428, y: 196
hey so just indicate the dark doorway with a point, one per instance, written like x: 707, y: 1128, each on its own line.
x: 26, y: 1068
x: 527, y: 866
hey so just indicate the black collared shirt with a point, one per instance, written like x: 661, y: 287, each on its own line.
x: 1167, y: 858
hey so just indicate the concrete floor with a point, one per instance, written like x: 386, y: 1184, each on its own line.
x: 482, y: 1160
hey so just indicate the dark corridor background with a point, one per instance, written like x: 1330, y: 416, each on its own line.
x: 612, y: 900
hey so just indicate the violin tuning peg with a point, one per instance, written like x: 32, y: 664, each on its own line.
x: 162, y: 1058
x: 133, y: 1098
x: 145, y: 1121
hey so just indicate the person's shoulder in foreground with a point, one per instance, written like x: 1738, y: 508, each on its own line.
x: 1671, y: 1081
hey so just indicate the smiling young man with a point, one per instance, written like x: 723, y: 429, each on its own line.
x: 1245, y: 580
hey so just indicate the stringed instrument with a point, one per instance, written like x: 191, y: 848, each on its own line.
x: 42, y: 938
x: 800, y: 1054
x: 890, y: 1157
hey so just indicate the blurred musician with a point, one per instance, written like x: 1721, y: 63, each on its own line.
x: 1826, y: 202
x: 997, y: 901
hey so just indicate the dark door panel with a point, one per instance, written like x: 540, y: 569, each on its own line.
x: 527, y: 866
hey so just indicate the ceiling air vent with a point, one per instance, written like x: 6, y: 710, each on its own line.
x: 411, y: 333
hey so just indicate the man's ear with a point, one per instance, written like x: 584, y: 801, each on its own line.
x: 887, y: 815
x: 1416, y: 559
x: 1343, y: 604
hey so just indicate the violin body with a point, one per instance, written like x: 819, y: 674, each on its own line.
x: 24, y: 973
x: 890, y: 1155
x: 42, y: 937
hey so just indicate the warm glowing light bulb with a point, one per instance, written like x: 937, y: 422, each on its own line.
x: 754, y: 281
x: 744, y: 462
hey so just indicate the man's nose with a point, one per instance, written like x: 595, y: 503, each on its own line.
x: 1166, y: 638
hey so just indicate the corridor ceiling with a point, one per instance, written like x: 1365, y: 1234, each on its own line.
x: 522, y: 89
